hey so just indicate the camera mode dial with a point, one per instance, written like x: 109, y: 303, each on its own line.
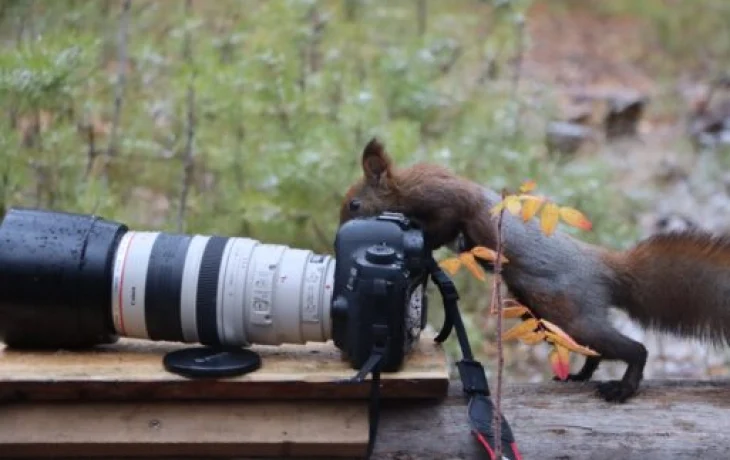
x: 380, y: 254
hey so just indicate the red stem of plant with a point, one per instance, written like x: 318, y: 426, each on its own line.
x: 497, y: 295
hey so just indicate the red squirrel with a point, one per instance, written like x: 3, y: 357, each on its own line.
x: 675, y: 282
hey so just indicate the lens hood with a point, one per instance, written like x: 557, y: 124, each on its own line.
x: 55, y: 269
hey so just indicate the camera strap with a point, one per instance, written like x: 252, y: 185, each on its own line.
x: 372, y: 365
x: 381, y: 341
x: 480, y: 408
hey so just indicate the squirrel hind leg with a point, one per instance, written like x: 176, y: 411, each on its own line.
x: 611, y: 345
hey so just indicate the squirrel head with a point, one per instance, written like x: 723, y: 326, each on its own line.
x: 375, y: 191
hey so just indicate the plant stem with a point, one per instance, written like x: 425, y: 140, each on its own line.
x: 497, y: 296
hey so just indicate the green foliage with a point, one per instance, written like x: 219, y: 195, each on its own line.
x: 287, y: 93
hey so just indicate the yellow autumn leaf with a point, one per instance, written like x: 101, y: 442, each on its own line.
x: 560, y: 361
x: 450, y: 265
x: 558, y: 336
x: 468, y: 260
x: 513, y: 205
x: 521, y: 329
x: 515, y: 312
x: 549, y: 218
x: 554, y: 328
x: 528, y: 186
x: 531, y: 338
x: 487, y: 254
x: 530, y: 207
x: 569, y: 344
x: 575, y: 218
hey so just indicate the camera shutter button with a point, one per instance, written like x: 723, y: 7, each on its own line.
x: 380, y: 254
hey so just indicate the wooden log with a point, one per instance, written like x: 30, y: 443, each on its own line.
x: 567, y: 421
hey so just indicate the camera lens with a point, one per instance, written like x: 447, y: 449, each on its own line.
x: 76, y: 280
x: 219, y: 291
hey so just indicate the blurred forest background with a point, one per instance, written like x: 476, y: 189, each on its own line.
x: 248, y: 117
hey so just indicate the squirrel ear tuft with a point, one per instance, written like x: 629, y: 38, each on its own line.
x: 376, y: 163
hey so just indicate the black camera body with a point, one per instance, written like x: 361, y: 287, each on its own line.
x: 379, y: 294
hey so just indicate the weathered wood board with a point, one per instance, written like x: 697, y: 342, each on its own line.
x: 677, y: 420
x: 133, y: 369
x: 175, y: 429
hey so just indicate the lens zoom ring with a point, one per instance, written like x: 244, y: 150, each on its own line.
x: 164, y: 283
x: 207, y: 296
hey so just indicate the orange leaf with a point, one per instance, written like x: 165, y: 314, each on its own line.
x: 554, y: 328
x: 558, y: 336
x: 530, y: 207
x: 528, y: 186
x: 531, y: 338
x: 549, y: 218
x: 560, y: 361
x: 487, y: 254
x: 513, y: 205
x: 471, y: 264
x: 515, y: 303
x: 514, y: 312
x: 450, y: 265
x: 569, y: 345
x: 521, y: 329
x: 575, y: 218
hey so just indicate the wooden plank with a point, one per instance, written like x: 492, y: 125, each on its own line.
x: 211, y: 429
x: 133, y: 369
x: 566, y: 421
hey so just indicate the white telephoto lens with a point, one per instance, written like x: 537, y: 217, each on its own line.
x: 220, y: 291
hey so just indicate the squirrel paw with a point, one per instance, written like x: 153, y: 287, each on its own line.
x: 616, y: 390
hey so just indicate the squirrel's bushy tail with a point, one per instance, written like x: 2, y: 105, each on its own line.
x: 677, y: 283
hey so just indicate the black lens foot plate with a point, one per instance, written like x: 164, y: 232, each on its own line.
x: 211, y: 362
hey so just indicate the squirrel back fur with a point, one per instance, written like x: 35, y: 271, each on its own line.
x: 677, y: 282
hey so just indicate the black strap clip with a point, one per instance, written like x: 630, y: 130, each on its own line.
x: 472, y: 377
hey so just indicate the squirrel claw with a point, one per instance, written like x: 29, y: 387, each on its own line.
x: 616, y: 391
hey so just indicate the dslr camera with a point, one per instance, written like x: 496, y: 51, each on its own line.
x: 75, y: 280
